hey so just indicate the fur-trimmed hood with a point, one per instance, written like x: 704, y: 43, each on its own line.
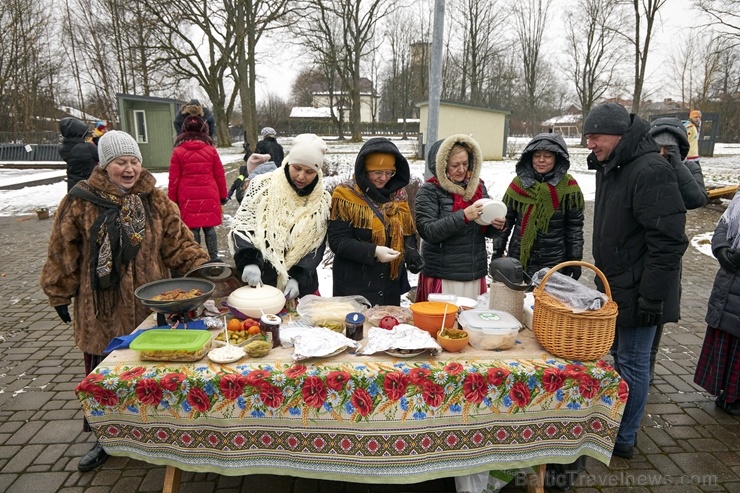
x: 437, y: 164
x: 543, y: 142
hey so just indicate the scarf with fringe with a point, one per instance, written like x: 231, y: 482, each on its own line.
x: 115, y: 238
x: 537, y: 204
x: 282, y: 225
x: 349, y: 205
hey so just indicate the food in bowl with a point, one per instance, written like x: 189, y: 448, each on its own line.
x: 452, y: 340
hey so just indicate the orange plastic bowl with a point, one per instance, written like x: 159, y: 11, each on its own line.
x: 452, y: 345
x: 428, y: 315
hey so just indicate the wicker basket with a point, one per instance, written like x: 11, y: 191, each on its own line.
x: 580, y: 336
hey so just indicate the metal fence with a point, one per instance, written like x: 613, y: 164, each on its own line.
x: 29, y: 152
x: 39, y: 137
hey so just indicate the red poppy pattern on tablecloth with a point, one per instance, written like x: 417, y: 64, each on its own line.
x: 353, y: 391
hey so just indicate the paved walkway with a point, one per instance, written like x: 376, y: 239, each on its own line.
x: 685, y: 444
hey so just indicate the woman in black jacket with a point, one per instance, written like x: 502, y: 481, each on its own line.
x: 371, y: 230
x: 81, y: 156
x: 545, y: 209
x: 453, y: 245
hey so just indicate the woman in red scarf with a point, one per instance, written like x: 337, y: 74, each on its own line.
x: 453, y: 245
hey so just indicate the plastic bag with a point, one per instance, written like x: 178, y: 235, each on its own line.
x: 484, y: 482
x: 572, y: 293
x: 327, y: 311
x: 400, y: 313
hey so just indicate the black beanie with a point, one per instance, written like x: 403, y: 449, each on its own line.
x: 607, y: 118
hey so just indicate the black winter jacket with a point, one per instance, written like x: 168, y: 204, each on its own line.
x: 451, y: 247
x: 639, y: 221
x: 207, y: 117
x: 563, y: 239
x: 81, y: 156
x: 269, y: 145
x: 356, y: 271
x: 723, y: 309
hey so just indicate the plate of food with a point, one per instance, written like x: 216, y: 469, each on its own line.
x: 404, y: 353
x: 226, y: 354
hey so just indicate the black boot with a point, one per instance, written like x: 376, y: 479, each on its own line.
x: 211, y: 242
x: 94, y: 458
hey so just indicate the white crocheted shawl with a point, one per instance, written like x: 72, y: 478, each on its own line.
x: 273, y: 214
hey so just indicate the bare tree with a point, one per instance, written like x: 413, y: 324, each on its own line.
x: 197, y: 42
x: 593, y: 49
x: 645, y: 13
x: 530, y: 19
x: 346, y: 28
x: 724, y: 13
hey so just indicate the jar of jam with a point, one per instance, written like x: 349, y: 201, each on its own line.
x: 353, y: 324
x: 271, y: 323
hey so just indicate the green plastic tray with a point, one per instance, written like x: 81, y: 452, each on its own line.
x: 171, y: 340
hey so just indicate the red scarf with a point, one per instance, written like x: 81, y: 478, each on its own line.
x: 457, y: 200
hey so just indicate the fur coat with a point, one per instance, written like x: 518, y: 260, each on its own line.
x: 167, y: 245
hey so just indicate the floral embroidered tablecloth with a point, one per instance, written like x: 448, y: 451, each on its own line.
x: 357, y: 418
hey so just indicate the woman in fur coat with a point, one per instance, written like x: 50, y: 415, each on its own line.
x: 111, y: 234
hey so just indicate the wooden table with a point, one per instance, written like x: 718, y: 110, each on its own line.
x: 356, y: 418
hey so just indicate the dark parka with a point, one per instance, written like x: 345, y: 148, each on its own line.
x: 451, y: 247
x: 356, y: 271
x: 639, y: 221
x: 723, y: 310
x: 688, y: 173
x: 268, y: 145
x: 563, y: 239
x: 81, y: 156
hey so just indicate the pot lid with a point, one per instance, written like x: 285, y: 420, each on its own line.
x: 433, y: 308
x: 509, y: 271
x: 255, y: 294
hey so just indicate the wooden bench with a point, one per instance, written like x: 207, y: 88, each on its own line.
x: 727, y: 192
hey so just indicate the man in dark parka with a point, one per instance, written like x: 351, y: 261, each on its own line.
x: 638, y: 242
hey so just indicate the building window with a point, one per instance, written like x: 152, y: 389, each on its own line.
x: 140, y: 126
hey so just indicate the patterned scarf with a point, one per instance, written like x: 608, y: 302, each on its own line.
x: 537, y: 204
x: 115, y: 238
x: 349, y: 205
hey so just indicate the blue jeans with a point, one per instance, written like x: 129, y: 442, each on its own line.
x: 631, y: 352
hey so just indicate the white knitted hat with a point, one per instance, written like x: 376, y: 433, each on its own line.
x: 114, y: 144
x: 307, y: 149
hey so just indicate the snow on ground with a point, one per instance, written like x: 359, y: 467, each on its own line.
x: 722, y: 169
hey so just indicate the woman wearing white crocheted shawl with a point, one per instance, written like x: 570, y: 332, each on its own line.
x: 278, y: 235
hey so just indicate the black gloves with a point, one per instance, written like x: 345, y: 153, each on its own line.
x: 648, y: 312
x: 414, y: 262
x: 673, y: 155
x: 223, y: 201
x: 573, y: 271
x: 729, y: 259
x: 63, y: 312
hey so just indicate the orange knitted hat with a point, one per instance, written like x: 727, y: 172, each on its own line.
x: 376, y: 161
x: 695, y: 114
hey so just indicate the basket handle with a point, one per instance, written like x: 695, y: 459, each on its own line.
x: 582, y: 264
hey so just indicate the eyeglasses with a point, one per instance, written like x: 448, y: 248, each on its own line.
x: 381, y: 173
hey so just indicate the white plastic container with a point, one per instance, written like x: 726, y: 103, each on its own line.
x: 490, y: 329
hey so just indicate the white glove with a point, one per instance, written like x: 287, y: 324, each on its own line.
x: 252, y: 275
x: 385, y: 254
x: 291, y: 289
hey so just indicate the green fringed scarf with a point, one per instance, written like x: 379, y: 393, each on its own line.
x: 537, y: 204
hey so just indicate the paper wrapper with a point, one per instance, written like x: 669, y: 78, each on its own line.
x: 318, y: 342
x: 402, y: 336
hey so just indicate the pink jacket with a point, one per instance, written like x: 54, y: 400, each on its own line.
x: 197, y: 183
